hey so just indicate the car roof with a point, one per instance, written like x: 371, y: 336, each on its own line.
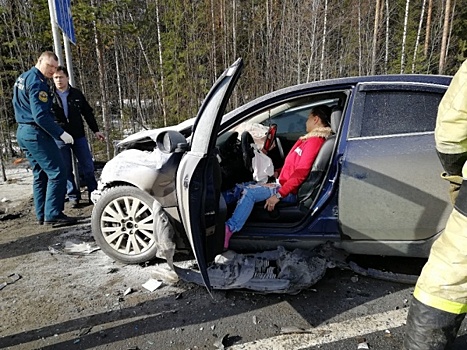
x: 296, y: 90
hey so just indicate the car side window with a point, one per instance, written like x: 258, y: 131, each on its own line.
x: 399, y: 112
x: 292, y: 122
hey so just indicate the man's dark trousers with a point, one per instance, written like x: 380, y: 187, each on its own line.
x: 49, y: 186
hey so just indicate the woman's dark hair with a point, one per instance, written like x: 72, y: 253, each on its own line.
x: 323, y: 112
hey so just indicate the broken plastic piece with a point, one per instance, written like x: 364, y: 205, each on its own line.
x: 152, y: 284
x: 363, y: 345
x: 3, y: 285
x: 294, y: 330
x: 12, y: 278
x: 220, y: 344
x: 80, y: 248
x: 275, y: 271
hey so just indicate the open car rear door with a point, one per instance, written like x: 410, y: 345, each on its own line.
x: 198, y: 183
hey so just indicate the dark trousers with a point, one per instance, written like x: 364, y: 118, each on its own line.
x: 82, y: 153
x: 49, y: 184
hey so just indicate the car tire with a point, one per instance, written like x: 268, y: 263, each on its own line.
x: 122, y: 236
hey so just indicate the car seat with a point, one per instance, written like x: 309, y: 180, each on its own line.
x: 309, y: 189
x: 293, y: 212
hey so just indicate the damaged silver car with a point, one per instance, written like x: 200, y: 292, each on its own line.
x: 373, y: 189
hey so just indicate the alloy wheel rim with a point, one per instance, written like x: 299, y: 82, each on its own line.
x: 127, y: 225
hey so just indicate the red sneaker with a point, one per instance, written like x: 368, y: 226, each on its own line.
x: 227, y: 236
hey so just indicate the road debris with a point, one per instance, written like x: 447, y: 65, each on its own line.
x: 72, y: 248
x: 383, y: 275
x: 294, y: 330
x: 276, y: 271
x: 10, y: 279
x: 362, y: 344
x: 152, y: 284
x: 279, y: 271
x: 220, y: 344
x: 84, y: 331
x: 80, y: 248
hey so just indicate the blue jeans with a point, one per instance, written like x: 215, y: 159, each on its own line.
x: 247, y: 194
x: 82, y: 153
x: 49, y: 184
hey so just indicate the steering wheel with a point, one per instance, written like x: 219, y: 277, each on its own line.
x: 271, y: 139
x: 247, y: 150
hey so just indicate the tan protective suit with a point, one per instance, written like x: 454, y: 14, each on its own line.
x: 451, y: 129
x: 440, y: 296
x: 451, y: 122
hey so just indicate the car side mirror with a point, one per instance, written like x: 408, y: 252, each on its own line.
x: 171, y: 141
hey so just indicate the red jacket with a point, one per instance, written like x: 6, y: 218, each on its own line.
x: 300, y: 159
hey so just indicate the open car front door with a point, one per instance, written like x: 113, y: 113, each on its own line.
x: 198, y: 176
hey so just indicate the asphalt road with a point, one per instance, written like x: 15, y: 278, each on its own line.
x: 342, y: 311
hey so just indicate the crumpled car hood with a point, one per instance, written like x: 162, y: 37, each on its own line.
x: 138, y: 161
x: 152, y: 133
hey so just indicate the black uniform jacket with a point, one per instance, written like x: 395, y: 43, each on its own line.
x: 78, y: 107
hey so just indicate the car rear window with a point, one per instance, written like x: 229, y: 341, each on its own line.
x: 399, y: 112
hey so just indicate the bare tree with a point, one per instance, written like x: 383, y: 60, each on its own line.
x: 100, y: 62
x: 161, y: 66
x: 428, y: 27
x: 386, y: 51
x: 404, y: 35
x: 323, y: 44
x: 314, y: 22
x: 417, y: 40
x: 375, y: 36
x: 214, y: 46
x: 444, y: 40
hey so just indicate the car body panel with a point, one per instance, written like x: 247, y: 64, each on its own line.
x: 392, y: 177
x: 390, y: 164
x: 152, y: 172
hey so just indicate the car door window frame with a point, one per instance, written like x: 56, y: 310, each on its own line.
x: 363, y: 89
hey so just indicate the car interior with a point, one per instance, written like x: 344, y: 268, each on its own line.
x: 276, y: 129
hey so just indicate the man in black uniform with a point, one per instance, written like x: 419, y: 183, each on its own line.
x: 32, y: 103
x: 69, y: 106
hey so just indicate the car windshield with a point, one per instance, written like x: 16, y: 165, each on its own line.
x: 290, y: 118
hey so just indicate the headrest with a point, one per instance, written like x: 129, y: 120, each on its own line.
x: 336, y: 115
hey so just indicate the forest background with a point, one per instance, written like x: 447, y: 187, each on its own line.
x: 149, y: 63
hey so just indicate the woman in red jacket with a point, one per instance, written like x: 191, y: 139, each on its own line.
x: 296, y: 168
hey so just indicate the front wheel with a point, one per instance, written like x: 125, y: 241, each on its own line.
x: 122, y: 223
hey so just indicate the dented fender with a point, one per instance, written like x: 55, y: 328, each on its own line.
x: 135, y: 167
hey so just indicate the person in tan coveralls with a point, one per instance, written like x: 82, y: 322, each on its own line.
x: 440, y: 296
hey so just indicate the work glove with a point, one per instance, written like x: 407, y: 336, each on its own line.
x: 455, y: 182
x: 67, y: 138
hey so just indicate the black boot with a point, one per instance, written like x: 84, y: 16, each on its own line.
x: 428, y: 328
